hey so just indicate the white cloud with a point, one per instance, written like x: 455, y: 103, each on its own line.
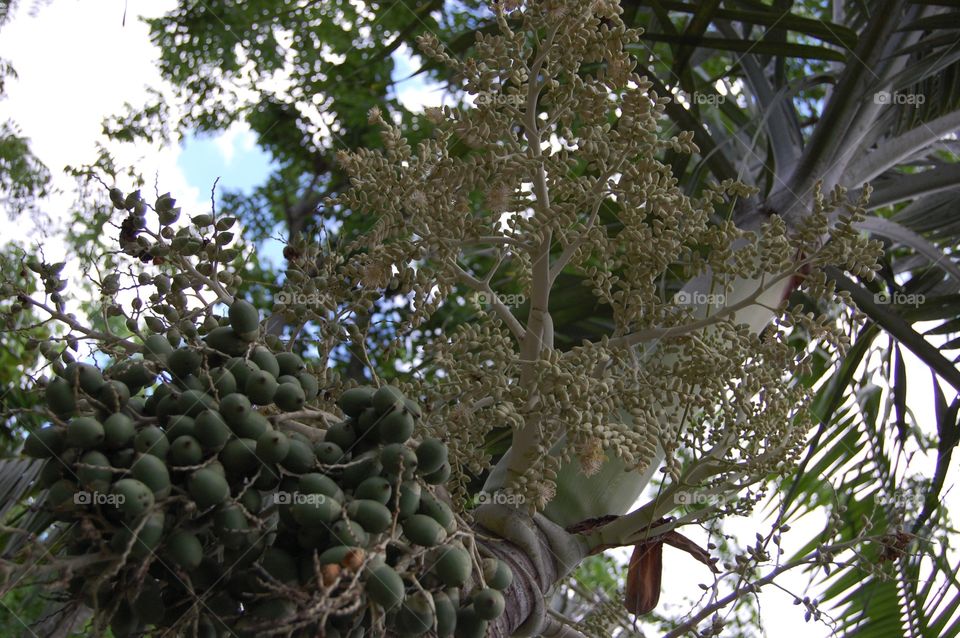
x: 78, y: 63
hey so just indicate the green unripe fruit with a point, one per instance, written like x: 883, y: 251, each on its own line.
x: 118, y: 431
x: 234, y: 407
x: 208, y: 488
x: 496, y: 573
x: 272, y: 447
x: 94, y: 466
x: 244, y: 319
x: 268, y: 478
x: 117, y: 198
x: 413, y: 408
x: 341, y: 434
x: 113, y: 395
x: 384, y: 587
x: 452, y: 565
x: 184, y: 362
x: 61, y: 493
x: 223, y: 382
x: 290, y: 397
x: 153, y: 473
x: 387, y: 398
x: 362, y: 467
x: 356, y: 400
x: 396, y: 427
x: 252, y: 425
x: 60, y: 397
x: 46, y: 442
x: 157, y: 348
x: 469, y: 624
x: 134, y: 373
x: 167, y: 407
x: 328, y: 453
x: 211, y: 430
x: 185, y: 450
x: 280, y: 564
x: 123, y: 457
x: 185, y: 549
x: 88, y: 377
x: 309, y: 384
x: 133, y: 497
x: 446, y: 614
x: 193, y: 402
x: 315, y: 510
x: 375, y: 488
x: 135, y: 406
x: 241, y: 369
x: 239, y: 456
x: 423, y: 530
x: 261, y: 388
x: 431, y: 455
x: 488, y: 603
x: 180, y: 425
x: 347, y: 532
x: 173, y: 334
x: 84, y: 432
x: 290, y: 363
x: 151, y: 440
x: 373, y: 516
x: 251, y: 500
x: 416, y: 616
x: 231, y: 525
x: 148, y: 539
x: 51, y: 472
x: 439, y: 477
x: 337, y: 554
x: 273, y: 608
x: 437, y: 510
x: 266, y: 361
x: 300, y: 458
x: 316, y: 483
x: 397, y: 458
x: 366, y: 424
x: 224, y: 339
x: 409, y: 498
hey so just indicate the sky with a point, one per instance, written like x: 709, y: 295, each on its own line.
x: 58, y: 50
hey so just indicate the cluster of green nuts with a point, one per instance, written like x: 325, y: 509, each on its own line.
x: 193, y: 473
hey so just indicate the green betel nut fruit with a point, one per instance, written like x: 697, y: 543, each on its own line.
x: 152, y: 472
x: 273, y: 446
x: 373, y: 516
x: 452, y: 565
x: 356, y: 400
x: 423, y: 530
x: 84, y: 432
x: 261, y: 388
x: 488, y: 603
x: 387, y: 398
x: 45, y: 442
x: 384, y: 586
x: 244, y: 319
x: 185, y: 549
x: 290, y: 397
x: 207, y: 487
x: 133, y: 497
x: 496, y: 573
x: 431, y: 455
